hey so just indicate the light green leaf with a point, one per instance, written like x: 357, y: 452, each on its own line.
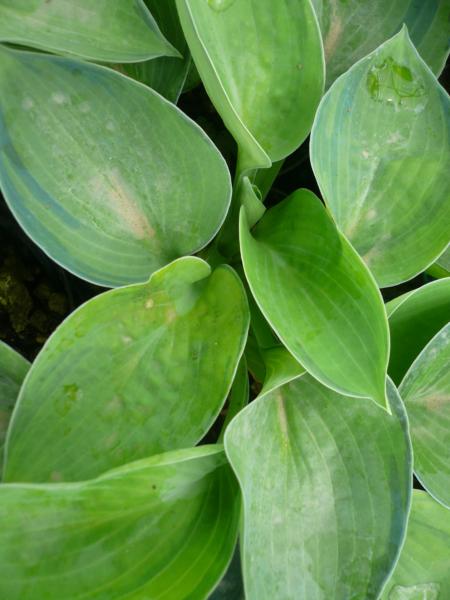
x: 318, y: 296
x: 13, y: 368
x: 380, y: 153
x: 166, y: 75
x: 262, y: 65
x: 351, y: 29
x: 133, y: 372
x: 281, y: 367
x: 423, y: 570
x: 414, y: 318
x: 106, y: 30
x: 426, y: 393
x: 110, y: 179
x: 326, y: 481
x: 163, y: 527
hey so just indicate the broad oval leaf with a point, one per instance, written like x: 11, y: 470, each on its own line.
x: 106, y: 30
x: 13, y: 368
x: 380, y: 153
x: 164, y: 526
x: 262, y: 65
x: 318, y: 295
x: 423, y: 570
x: 166, y: 74
x: 133, y: 372
x: 426, y: 393
x: 110, y: 179
x: 326, y: 482
x: 352, y: 29
x: 414, y: 318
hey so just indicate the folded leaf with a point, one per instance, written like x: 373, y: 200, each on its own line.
x: 348, y: 35
x: 318, y: 295
x: 380, y: 153
x: 111, y: 180
x: 414, y: 318
x: 106, y: 30
x: 326, y: 482
x: 133, y: 372
x: 13, y: 368
x: 262, y: 65
x: 166, y: 74
x: 423, y: 570
x: 426, y: 393
x: 164, y: 526
x: 281, y: 367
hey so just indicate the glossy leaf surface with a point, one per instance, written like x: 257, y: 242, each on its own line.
x: 352, y: 29
x: 426, y: 393
x: 13, y: 368
x: 380, y: 153
x: 318, y: 295
x: 414, y: 319
x: 326, y: 483
x: 166, y: 74
x: 262, y: 65
x: 106, y: 30
x: 423, y: 570
x: 111, y: 180
x: 133, y: 372
x: 162, y: 527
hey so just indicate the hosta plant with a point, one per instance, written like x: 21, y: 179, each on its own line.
x: 245, y: 413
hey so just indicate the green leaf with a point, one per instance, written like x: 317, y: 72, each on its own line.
x: 425, y: 390
x: 351, y: 29
x: 326, y: 481
x: 441, y: 268
x: 414, y: 318
x: 318, y: 296
x: 423, y: 570
x: 262, y: 65
x: 110, y: 179
x: 380, y: 153
x: 161, y: 527
x: 13, y: 368
x: 281, y: 367
x: 107, y: 30
x: 167, y: 74
x: 133, y: 372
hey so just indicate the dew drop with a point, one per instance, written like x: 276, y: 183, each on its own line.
x: 421, y: 591
x: 396, y: 85
x: 220, y: 5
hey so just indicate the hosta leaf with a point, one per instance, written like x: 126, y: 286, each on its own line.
x: 426, y: 393
x: 262, y: 65
x: 318, y: 296
x: 326, y: 482
x: 281, y: 367
x: 133, y: 372
x: 163, y: 527
x: 414, y: 319
x: 13, y: 368
x: 111, y: 180
x: 106, y: 30
x: 423, y: 570
x: 348, y: 36
x: 380, y: 152
x: 167, y: 74
x: 441, y: 268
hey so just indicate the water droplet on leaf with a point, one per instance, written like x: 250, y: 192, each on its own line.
x: 220, y: 5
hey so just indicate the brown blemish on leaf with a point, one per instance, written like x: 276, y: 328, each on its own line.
x: 437, y: 401
x: 333, y: 34
x: 112, y: 189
